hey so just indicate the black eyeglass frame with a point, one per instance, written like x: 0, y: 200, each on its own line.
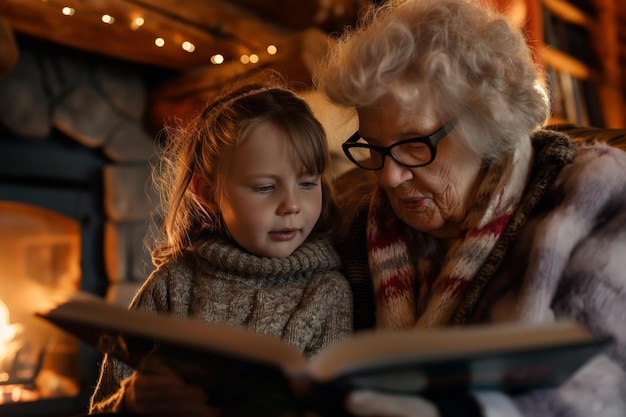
x: 429, y: 140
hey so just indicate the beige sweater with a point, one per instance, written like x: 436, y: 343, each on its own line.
x: 302, y: 298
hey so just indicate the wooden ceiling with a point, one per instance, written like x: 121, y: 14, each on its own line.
x: 230, y: 28
x: 235, y: 29
x: 240, y: 31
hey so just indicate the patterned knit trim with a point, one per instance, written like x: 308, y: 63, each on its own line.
x: 466, y: 257
x: 390, y: 262
x: 552, y: 152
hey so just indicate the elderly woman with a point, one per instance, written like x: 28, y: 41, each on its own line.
x: 478, y: 215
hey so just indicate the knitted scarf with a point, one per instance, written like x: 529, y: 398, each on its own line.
x: 395, y: 269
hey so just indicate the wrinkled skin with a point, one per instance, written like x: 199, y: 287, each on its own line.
x: 435, y: 198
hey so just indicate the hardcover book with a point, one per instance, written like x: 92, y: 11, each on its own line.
x: 256, y: 374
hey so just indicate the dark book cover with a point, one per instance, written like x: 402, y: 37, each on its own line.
x: 246, y: 372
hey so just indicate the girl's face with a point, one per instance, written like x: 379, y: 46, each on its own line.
x: 434, y: 198
x: 268, y: 204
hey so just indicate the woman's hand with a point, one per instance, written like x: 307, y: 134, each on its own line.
x: 155, y: 390
x: 165, y: 395
x: 368, y: 404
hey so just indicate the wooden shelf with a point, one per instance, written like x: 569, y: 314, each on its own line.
x: 565, y: 63
x: 569, y: 13
x: 557, y: 121
x: 604, y: 71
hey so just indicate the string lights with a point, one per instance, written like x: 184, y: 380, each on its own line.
x: 138, y: 22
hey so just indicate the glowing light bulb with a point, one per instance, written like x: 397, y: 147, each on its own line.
x: 188, y: 46
x: 254, y: 58
x: 271, y: 49
x: 217, y: 59
x: 245, y: 59
x: 68, y: 11
x: 137, y: 23
x: 108, y: 19
x: 160, y: 42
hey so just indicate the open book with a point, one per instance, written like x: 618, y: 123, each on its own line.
x: 247, y: 370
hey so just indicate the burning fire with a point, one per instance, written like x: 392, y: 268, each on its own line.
x: 8, y: 351
x: 8, y: 342
x: 39, y: 259
x: 23, y: 376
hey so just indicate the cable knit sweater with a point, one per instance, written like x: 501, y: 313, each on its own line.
x: 302, y: 298
x: 561, y: 255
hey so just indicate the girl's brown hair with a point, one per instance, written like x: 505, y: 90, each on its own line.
x: 198, y: 151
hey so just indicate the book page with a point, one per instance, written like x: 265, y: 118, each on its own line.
x: 370, y: 349
x: 87, y: 316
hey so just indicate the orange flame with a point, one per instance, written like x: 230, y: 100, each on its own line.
x: 8, y: 332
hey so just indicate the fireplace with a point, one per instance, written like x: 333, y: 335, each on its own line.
x: 75, y: 210
x: 51, y: 242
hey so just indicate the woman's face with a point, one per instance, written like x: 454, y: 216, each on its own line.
x: 434, y: 198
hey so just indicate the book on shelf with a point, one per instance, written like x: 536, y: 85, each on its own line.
x: 557, y: 107
x: 594, y: 104
x: 249, y: 373
x: 566, y: 81
x: 573, y: 99
x: 571, y: 38
x: 580, y: 102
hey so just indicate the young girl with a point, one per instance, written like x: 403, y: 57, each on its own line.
x: 247, y: 216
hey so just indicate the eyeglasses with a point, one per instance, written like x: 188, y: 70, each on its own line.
x: 411, y: 153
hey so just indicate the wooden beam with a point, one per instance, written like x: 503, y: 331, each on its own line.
x: 213, y: 27
x: 184, y: 96
x: 8, y: 48
x: 222, y: 18
x: 329, y: 15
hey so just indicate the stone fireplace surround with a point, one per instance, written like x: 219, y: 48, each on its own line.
x: 53, y: 99
x: 72, y: 141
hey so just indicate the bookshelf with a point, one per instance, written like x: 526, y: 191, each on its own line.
x: 579, y: 48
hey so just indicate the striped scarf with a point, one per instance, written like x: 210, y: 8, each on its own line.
x: 395, y: 270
